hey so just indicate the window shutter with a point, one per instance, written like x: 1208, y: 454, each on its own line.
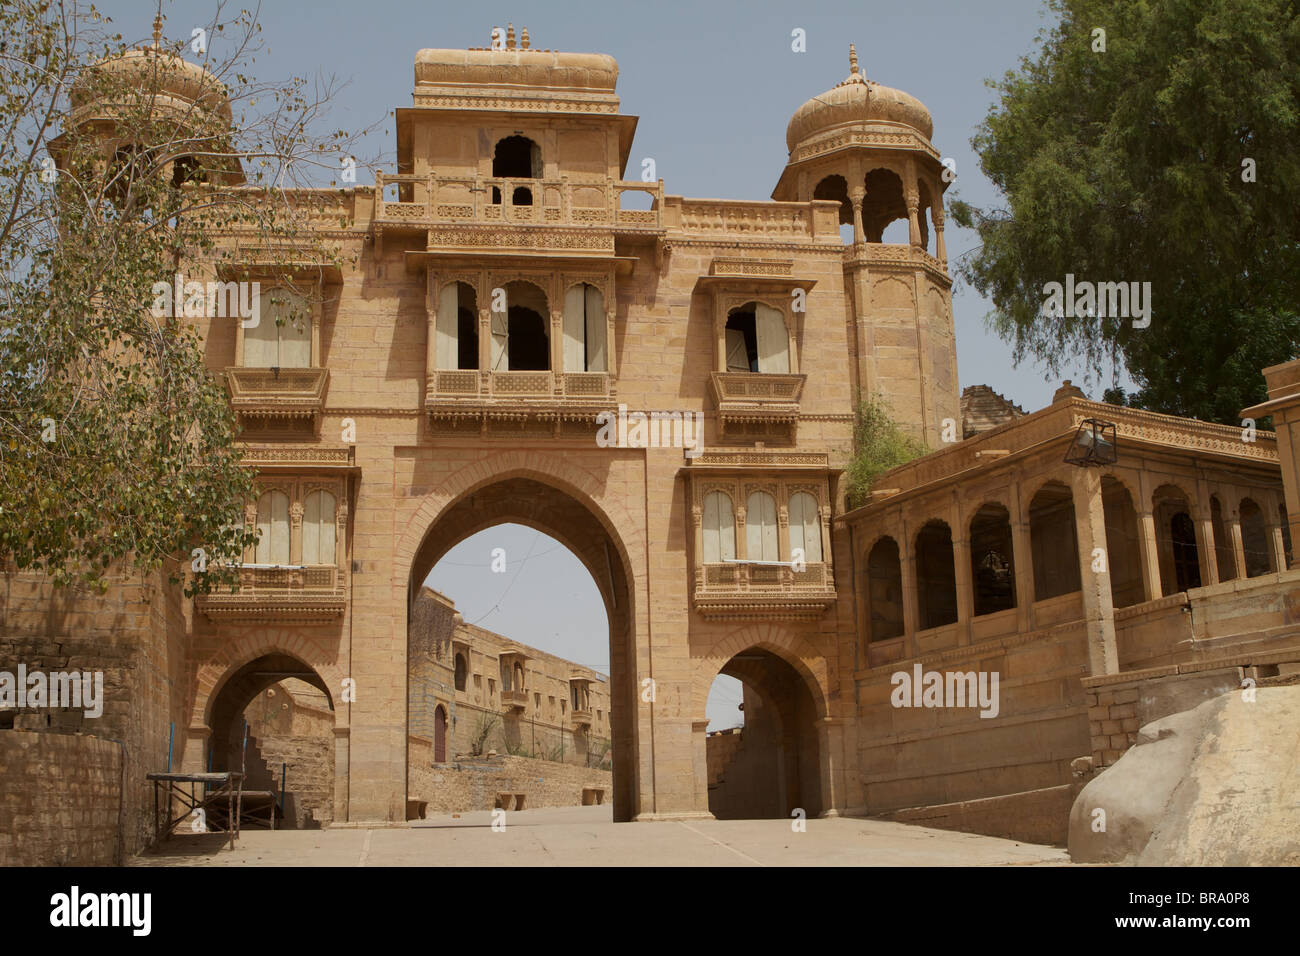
x: 500, y: 341
x: 595, y: 330
x: 773, y: 341
x: 575, y: 357
x: 447, y: 326
x: 719, y: 528
x: 737, y: 356
x: 760, y: 527
x: 805, y: 527
x: 273, y: 528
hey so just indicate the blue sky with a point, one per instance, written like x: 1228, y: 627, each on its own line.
x: 714, y: 85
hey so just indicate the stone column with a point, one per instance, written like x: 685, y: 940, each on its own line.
x: 556, y: 343
x: 940, y: 247
x: 1234, y: 531
x: 913, y: 220
x: 962, y: 573
x: 1022, y: 561
x: 1098, y: 609
x: 700, y: 764
x: 1275, y: 534
x: 431, y: 324
x: 1284, y: 405
x: 295, y: 532
x: 1149, y: 550
x: 1205, y: 532
x: 856, y: 196
x: 907, y: 568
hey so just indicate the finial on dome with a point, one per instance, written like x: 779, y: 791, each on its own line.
x: 157, y: 30
x: 524, y: 42
x: 510, y: 36
x: 853, y: 59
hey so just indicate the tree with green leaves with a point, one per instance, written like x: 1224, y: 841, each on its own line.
x: 121, y: 166
x: 1150, y: 142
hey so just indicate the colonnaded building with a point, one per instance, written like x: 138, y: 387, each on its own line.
x: 504, y: 315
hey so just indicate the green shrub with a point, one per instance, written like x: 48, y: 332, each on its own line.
x: 879, y: 444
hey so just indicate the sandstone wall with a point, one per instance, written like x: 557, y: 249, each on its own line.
x: 61, y: 800
x: 465, y: 785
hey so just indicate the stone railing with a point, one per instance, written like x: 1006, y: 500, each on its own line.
x: 490, y: 201
x: 739, y: 218
x: 471, y: 384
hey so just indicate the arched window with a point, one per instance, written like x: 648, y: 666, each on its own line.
x: 1123, y: 551
x: 272, y: 528
x: 456, y: 328
x: 719, y: 528
x: 318, y: 528
x: 936, y: 578
x: 805, y: 527
x: 884, y: 204
x: 885, y: 590
x: 519, y: 335
x: 1178, y: 555
x: 1054, y: 542
x: 760, y: 527
x: 993, y: 575
x: 584, y: 329
x: 516, y: 157
x: 757, y: 340
x: 282, y: 336
x: 1255, y: 539
x: 462, y: 670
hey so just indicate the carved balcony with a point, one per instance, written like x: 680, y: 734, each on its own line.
x: 533, y: 403
x: 581, y: 718
x: 757, y: 406
x: 288, y: 594
x: 514, y: 699
x: 493, y: 215
x: 738, y: 591
x: 284, y: 397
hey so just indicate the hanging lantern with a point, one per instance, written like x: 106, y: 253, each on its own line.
x: 1094, y: 444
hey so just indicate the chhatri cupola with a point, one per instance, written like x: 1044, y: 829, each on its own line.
x: 868, y: 147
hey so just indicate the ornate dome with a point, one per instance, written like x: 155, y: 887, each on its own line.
x: 177, y: 85
x: 857, y: 101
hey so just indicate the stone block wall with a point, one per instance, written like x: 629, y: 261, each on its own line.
x: 1119, y: 704
x: 466, y: 785
x: 60, y: 801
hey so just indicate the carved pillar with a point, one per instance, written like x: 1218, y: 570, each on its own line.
x: 1275, y: 533
x: 341, y: 542
x: 697, y: 526
x: 856, y: 196
x: 295, y: 533
x: 940, y: 247
x: 913, y: 220
x: 783, y: 536
x: 824, y: 514
x: 556, y: 342
x: 484, y: 340
x: 431, y: 325
x: 1098, y: 608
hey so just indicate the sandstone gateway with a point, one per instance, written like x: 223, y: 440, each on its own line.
x: 517, y: 279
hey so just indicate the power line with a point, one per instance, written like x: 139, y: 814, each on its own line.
x: 537, y: 536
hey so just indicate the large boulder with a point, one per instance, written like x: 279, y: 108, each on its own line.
x: 1213, y: 786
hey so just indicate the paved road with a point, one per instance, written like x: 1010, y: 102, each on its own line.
x: 586, y: 836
